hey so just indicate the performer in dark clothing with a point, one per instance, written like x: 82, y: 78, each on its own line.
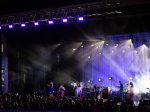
x: 51, y: 90
x: 121, y: 90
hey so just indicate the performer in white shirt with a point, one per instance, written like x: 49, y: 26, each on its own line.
x: 130, y: 93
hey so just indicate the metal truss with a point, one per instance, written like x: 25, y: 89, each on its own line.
x: 71, y: 12
x: 92, y: 9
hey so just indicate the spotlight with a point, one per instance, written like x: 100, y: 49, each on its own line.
x: 0, y: 27
x: 65, y: 20
x: 100, y: 79
x: 89, y: 81
x: 36, y: 23
x: 59, y: 44
x: 131, y: 78
x: 130, y: 40
x: 110, y: 78
x: 50, y: 22
x: 80, y: 18
x: 89, y: 57
x: 82, y: 46
x: 143, y: 45
x: 74, y: 49
x: 23, y: 25
x: 10, y: 26
x: 107, y: 44
x: 100, y: 53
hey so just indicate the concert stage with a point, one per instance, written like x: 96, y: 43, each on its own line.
x: 90, y: 46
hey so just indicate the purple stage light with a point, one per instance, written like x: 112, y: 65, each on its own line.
x: 10, y: 26
x: 80, y: 18
x: 89, y: 81
x: 110, y: 78
x: 36, y: 23
x: 50, y: 22
x: 99, y: 79
x: 23, y: 25
x: 0, y: 27
x: 65, y: 20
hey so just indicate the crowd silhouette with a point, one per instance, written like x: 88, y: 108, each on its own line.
x: 35, y: 102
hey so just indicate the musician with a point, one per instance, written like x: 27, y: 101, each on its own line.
x: 51, y: 90
x: 130, y: 93
x: 121, y: 90
x: 78, y: 90
x: 61, y: 90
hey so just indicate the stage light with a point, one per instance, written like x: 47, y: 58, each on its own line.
x: 36, y: 23
x: 10, y: 26
x: 50, y: 22
x: 59, y: 44
x: 65, y: 20
x: 112, y: 51
x: 107, y: 44
x: 74, y: 49
x: 100, y: 53
x: 143, y: 45
x: 92, y: 45
x: 23, y: 25
x: 89, y: 57
x: 82, y: 46
x: 0, y: 27
x: 100, y: 79
x: 80, y: 18
x: 110, y: 78
x: 131, y: 78
x: 130, y: 40
x: 89, y: 81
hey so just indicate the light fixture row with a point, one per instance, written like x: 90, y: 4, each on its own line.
x: 37, y: 23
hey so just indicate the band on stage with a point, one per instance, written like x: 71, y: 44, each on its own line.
x: 99, y: 92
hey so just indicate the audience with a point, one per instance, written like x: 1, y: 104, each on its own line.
x: 37, y: 102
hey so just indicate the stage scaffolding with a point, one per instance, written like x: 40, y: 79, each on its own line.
x: 92, y: 9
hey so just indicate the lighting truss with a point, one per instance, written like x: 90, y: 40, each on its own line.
x: 72, y: 13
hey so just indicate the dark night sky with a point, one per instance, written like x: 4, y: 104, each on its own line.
x: 13, y: 6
